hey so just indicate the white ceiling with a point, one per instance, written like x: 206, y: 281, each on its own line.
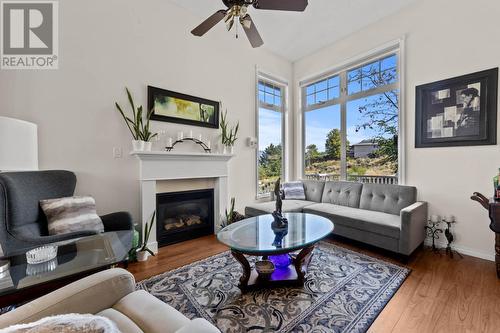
x: 294, y: 35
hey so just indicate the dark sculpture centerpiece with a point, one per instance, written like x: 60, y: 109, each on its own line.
x: 279, y: 220
x: 280, y: 228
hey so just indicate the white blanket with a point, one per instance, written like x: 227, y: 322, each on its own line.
x: 68, y: 323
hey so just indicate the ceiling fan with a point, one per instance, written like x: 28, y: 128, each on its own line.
x: 237, y: 11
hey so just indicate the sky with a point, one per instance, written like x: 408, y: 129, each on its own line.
x: 321, y: 121
x: 269, y: 128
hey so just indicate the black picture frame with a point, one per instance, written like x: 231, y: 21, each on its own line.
x: 155, y: 93
x: 441, y: 112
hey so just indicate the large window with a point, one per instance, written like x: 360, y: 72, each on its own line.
x: 270, y: 155
x: 351, y: 123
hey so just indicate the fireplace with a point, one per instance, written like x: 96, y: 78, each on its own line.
x: 184, y: 215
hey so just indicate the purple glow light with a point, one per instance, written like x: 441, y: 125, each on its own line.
x: 281, y: 261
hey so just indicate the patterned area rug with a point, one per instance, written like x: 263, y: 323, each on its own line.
x: 344, y: 292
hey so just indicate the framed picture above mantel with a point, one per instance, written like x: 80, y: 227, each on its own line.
x: 460, y: 111
x: 174, y: 107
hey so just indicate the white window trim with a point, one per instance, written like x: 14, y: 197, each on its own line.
x: 393, y: 47
x: 261, y: 75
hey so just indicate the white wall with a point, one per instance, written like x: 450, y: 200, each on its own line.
x: 443, y: 39
x: 107, y: 45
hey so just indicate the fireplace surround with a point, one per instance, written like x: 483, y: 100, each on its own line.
x: 157, y: 167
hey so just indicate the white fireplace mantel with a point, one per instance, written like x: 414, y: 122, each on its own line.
x: 160, y: 166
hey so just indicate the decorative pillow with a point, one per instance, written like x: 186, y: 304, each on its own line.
x: 71, y: 214
x: 294, y: 191
x: 68, y: 323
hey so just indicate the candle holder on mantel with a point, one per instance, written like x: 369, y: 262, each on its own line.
x: 449, y: 237
x: 205, y: 147
x: 433, y: 231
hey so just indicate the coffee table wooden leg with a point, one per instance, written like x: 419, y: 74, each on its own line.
x: 246, y: 269
x: 301, y: 262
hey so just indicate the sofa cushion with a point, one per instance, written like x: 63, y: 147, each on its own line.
x: 124, y: 324
x: 151, y: 314
x: 293, y: 206
x: 387, y: 198
x: 294, y: 191
x: 313, y: 189
x: 342, y: 193
x: 71, y: 214
x: 376, y: 222
x: 198, y: 325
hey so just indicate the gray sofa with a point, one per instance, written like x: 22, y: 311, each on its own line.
x: 386, y: 216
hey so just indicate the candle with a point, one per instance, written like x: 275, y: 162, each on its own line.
x: 181, y: 135
x: 199, y: 137
x: 191, y: 134
x: 434, y: 218
x: 208, y: 144
x: 170, y: 142
x: 449, y: 218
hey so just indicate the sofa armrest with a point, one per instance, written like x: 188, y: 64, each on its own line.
x: 117, y: 221
x: 91, y: 294
x: 413, y: 222
x: 198, y: 325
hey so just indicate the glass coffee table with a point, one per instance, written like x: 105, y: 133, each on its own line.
x: 260, y: 236
x: 75, y: 258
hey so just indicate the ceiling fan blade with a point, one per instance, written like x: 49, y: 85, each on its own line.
x: 251, y: 31
x: 229, y: 25
x: 292, y: 5
x: 209, y: 23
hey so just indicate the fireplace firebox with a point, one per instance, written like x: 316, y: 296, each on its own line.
x: 184, y: 215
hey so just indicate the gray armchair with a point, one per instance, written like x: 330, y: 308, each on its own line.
x: 22, y: 222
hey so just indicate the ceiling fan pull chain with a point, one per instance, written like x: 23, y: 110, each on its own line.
x: 237, y: 28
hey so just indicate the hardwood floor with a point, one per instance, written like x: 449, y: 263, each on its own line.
x: 440, y: 295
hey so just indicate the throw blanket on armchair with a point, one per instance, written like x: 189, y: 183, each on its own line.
x: 68, y: 323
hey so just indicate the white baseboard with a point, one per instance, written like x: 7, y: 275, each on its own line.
x: 462, y: 250
x: 439, y: 243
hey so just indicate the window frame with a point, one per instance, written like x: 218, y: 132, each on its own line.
x: 283, y: 109
x: 392, y: 48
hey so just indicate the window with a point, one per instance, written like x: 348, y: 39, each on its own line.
x: 323, y: 91
x: 351, y: 123
x: 270, y: 155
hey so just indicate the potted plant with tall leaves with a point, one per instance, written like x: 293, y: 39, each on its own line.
x: 147, y: 135
x: 231, y: 216
x: 139, y: 128
x: 228, y: 134
x: 144, y: 251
